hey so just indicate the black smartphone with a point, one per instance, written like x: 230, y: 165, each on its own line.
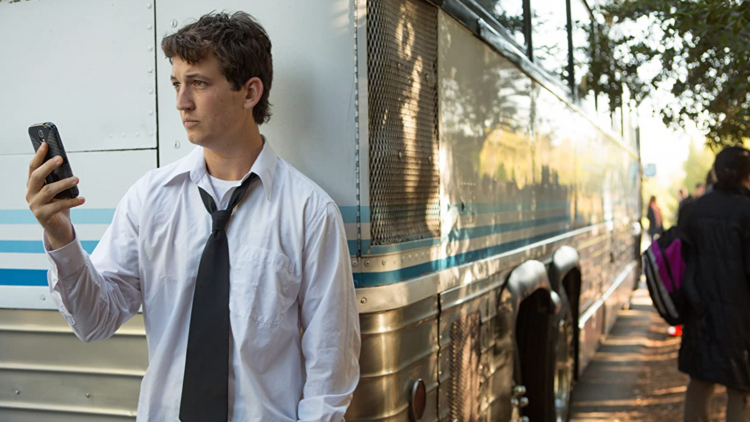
x: 47, y: 132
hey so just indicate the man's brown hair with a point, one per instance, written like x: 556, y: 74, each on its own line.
x: 240, y: 44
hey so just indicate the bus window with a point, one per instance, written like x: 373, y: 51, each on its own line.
x: 549, y: 36
x: 580, y: 16
x: 509, y: 13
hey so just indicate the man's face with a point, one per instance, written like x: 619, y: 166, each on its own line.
x: 212, y: 113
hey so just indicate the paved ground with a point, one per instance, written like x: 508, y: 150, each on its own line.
x: 634, y: 375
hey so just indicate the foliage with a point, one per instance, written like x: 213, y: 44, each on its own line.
x: 703, y: 51
x: 696, y: 166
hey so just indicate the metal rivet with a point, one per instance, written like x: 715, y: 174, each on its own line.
x: 148, y: 6
x: 88, y: 395
x: 150, y: 27
x: 151, y: 134
x: 176, y: 144
x: 137, y: 134
x: 123, y: 135
x: 110, y: 136
x: 174, y: 23
x: 150, y: 48
x: 150, y: 91
x: 367, y: 263
x: 42, y: 297
x: 17, y: 391
x: 363, y: 300
x: 382, y: 262
x: 150, y: 70
x: 151, y: 112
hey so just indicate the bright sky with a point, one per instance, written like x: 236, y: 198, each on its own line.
x: 665, y: 147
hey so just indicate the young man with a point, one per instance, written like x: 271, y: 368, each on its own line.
x: 239, y: 261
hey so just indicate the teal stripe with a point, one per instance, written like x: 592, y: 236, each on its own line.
x: 79, y: 216
x: 37, y: 246
x: 12, y: 277
x: 349, y: 214
x: 403, y: 274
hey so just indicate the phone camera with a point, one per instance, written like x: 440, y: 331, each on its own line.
x: 41, y: 134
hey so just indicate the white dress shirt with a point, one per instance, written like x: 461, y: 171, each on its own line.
x: 294, y: 324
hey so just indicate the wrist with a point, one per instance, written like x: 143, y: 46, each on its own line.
x: 59, y: 238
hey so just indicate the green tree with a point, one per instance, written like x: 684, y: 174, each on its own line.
x: 696, y: 166
x: 702, y: 48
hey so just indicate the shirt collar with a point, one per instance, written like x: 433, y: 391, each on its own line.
x: 264, y: 167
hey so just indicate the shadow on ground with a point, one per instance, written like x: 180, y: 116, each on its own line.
x: 634, y: 376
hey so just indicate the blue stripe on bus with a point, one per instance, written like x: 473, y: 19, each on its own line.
x: 348, y: 214
x: 37, y: 246
x: 13, y: 277
x: 402, y: 274
x: 79, y: 216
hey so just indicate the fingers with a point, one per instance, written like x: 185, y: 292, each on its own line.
x: 46, y: 212
x: 38, y: 158
x: 48, y: 192
x: 37, y: 176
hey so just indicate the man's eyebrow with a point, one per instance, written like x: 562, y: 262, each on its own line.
x: 191, y: 76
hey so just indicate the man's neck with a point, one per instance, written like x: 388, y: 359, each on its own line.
x: 234, y: 162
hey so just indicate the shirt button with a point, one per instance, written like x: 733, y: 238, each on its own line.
x: 66, y: 260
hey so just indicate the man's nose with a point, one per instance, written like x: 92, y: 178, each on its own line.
x: 184, y: 99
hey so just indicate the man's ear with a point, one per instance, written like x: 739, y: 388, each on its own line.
x: 253, y: 89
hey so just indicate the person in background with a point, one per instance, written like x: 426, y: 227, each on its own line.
x: 700, y: 190
x: 682, y: 194
x: 655, y: 226
x: 716, y: 334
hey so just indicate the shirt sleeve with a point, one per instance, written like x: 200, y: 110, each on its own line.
x: 96, y: 294
x: 330, y: 321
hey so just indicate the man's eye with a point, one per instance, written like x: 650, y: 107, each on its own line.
x: 175, y: 85
x: 199, y: 83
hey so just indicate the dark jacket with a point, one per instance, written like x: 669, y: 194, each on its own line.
x: 716, y: 334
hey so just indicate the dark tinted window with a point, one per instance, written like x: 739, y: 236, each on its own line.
x: 581, y: 19
x: 509, y: 13
x: 549, y: 36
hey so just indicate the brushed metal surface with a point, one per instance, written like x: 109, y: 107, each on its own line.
x: 398, y: 347
x: 48, y: 374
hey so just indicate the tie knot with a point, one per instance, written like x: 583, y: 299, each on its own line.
x: 220, y: 219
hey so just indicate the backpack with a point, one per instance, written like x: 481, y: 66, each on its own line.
x: 664, y: 268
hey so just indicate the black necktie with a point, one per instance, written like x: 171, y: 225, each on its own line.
x: 205, y: 386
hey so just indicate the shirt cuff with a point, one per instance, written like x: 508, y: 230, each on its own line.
x: 69, y: 259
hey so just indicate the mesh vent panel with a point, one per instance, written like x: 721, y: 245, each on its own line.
x: 464, y: 364
x: 402, y: 95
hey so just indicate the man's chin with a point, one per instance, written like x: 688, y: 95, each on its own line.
x: 195, y: 139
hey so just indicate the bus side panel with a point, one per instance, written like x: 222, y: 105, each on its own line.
x: 86, y: 66
x: 48, y: 374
